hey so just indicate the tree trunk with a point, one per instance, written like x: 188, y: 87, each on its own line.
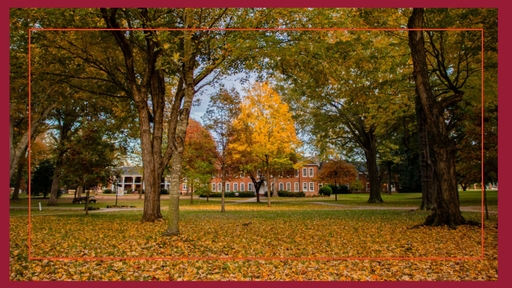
x: 485, y: 204
x: 428, y: 181
x: 373, y: 174
x: 257, y: 186
x: 223, y: 193
x: 268, y: 187
x: 174, y: 198
x: 19, y: 175
x: 257, y: 191
x: 87, y: 202
x: 55, y: 186
x: 56, y: 180
x: 275, y: 190
x: 191, y: 192
x: 389, y: 176
x: 447, y: 206
x: 152, y: 179
x: 181, y: 128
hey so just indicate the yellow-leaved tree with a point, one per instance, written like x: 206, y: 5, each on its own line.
x: 265, y: 139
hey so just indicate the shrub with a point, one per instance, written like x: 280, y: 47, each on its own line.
x: 356, y: 186
x: 339, y: 189
x: 343, y: 189
x: 246, y: 194
x: 325, y: 190
x: 107, y: 191
x: 282, y: 193
x: 164, y: 191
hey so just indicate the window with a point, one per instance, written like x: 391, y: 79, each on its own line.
x: 311, y: 186
x: 281, y: 186
x: 213, y: 187
x: 296, y: 186
x: 289, y: 187
x: 184, y: 186
x: 272, y: 186
x: 297, y: 173
x: 242, y: 186
x: 305, y: 186
x: 227, y: 187
x: 235, y: 187
x: 310, y: 172
x: 249, y: 186
x: 304, y: 172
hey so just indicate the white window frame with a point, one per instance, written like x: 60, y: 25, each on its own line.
x: 311, y: 172
x: 296, y: 186
x: 304, y: 172
x: 288, y: 186
x: 242, y: 186
x: 312, y: 186
x: 281, y: 186
x: 249, y: 186
x: 305, y: 186
x: 227, y: 187
x: 235, y: 187
x: 214, y: 186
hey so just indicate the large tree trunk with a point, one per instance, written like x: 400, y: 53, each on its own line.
x: 447, y: 210
x: 428, y: 181
x: 373, y: 174
x: 55, y: 185
x: 174, y: 198
x: 56, y: 180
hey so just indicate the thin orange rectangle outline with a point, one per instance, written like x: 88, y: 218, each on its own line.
x: 482, y: 256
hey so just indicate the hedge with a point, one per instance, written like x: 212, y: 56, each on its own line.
x: 282, y: 193
x: 229, y: 194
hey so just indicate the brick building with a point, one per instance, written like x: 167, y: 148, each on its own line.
x: 301, y: 181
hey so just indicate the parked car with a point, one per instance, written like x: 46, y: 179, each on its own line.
x: 92, y: 199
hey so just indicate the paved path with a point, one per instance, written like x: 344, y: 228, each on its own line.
x: 348, y: 207
x: 262, y: 199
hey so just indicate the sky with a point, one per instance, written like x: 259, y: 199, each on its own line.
x: 204, y: 95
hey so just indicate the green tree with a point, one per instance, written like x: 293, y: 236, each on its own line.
x: 91, y: 159
x: 342, y: 88
x: 42, y: 178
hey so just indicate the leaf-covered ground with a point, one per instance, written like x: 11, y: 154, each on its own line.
x: 252, y: 242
